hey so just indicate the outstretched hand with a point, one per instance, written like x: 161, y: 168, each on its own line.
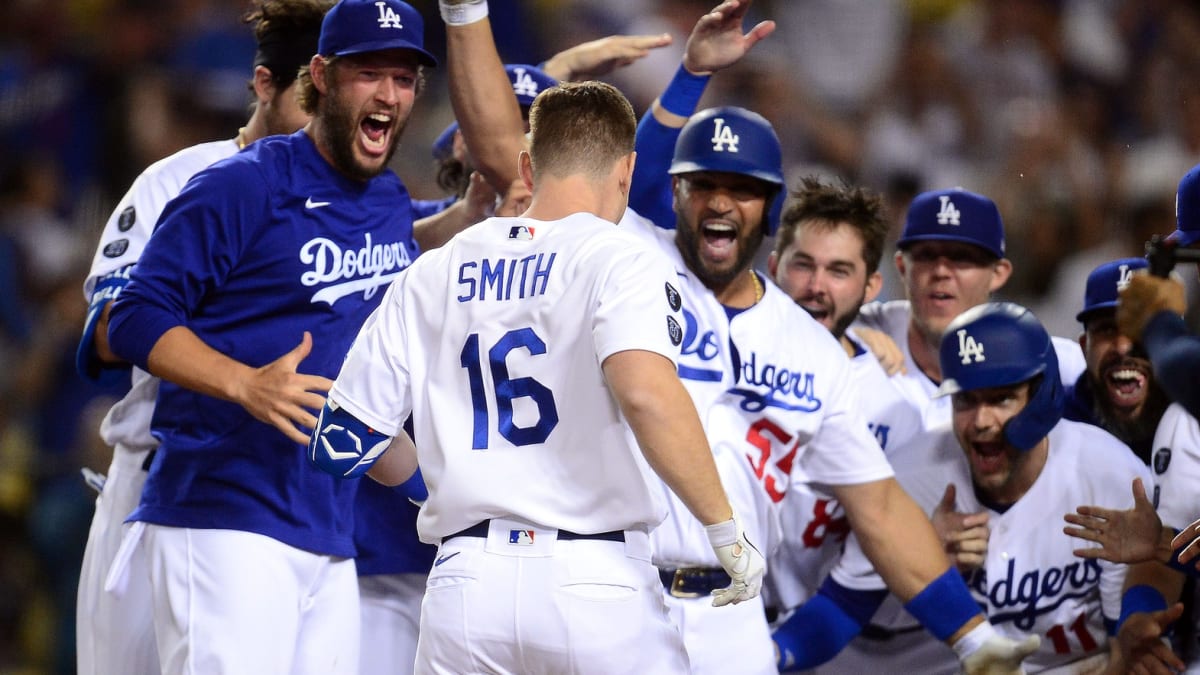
x: 1130, y: 536
x: 963, y: 535
x: 1141, y: 646
x: 598, y: 58
x: 284, y: 398
x: 717, y: 41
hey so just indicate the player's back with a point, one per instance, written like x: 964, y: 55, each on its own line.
x: 506, y: 328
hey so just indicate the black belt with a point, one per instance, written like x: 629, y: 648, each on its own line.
x: 693, y: 582
x: 880, y: 634
x: 481, y: 530
x: 149, y: 458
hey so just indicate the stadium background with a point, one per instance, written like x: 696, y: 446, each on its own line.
x: 1077, y: 116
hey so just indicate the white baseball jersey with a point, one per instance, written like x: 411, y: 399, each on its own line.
x: 776, y: 394
x: 114, y: 630
x: 504, y: 329
x: 815, y: 525
x: 893, y: 317
x: 1176, y: 467
x: 779, y: 405
x: 1031, y: 582
x: 125, y: 235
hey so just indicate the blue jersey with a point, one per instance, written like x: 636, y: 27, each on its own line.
x: 253, y: 252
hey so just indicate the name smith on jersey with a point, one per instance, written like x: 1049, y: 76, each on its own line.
x: 504, y: 278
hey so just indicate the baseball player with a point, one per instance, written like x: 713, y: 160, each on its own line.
x: 1118, y: 391
x: 826, y: 257
x: 1119, y: 371
x: 1151, y: 309
x: 114, y: 631
x: 773, y: 413
x: 556, y: 330
x: 950, y: 258
x: 1008, y: 451
x: 249, y: 550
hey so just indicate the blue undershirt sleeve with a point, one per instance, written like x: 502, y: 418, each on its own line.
x: 823, y: 626
x: 1175, y: 354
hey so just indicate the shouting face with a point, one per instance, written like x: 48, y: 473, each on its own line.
x: 364, y: 108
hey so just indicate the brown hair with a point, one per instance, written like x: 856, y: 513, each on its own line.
x: 286, y: 32
x: 580, y: 127
x: 308, y: 96
x: 825, y: 205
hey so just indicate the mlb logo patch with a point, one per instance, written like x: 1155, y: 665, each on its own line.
x: 520, y: 537
x: 523, y: 232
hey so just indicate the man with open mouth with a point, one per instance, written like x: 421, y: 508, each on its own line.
x: 1117, y: 391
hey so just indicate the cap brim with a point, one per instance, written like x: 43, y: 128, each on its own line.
x: 423, y: 57
x: 905, y: 242
x: 1088, y: 313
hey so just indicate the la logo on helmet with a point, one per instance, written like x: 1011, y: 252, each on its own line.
x: 723, y: 136
x: 968, y: 348
x: 387, y: 17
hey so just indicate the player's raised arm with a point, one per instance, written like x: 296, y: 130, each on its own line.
x: 716, y: 42
x: 480, y: 92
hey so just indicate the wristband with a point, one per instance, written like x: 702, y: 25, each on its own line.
x: 722, y: 534
x: 973, y: 640
x: 464, y: 13
x: 1140, y: 598
x: 943, y: 606
x: 683, y: 94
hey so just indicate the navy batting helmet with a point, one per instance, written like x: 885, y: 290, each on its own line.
x: 1000, y: 344
x: 733, y: 140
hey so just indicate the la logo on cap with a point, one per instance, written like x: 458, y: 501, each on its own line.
x: 1123, y: 277
x: 723, y: 136
x: 948, y: 214
x: 968, y: 349
x: 387, y: 17
x: 523, y: 84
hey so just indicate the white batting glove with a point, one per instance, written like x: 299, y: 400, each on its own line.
x: 741, y: 560
x: 984, y: 651
x: 462, y: 12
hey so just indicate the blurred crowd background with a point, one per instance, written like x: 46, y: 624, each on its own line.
x: 1077, y: 116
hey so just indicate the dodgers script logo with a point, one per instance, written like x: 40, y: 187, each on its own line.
x: 784, y: 388
x: 700, y: 345
x: 1037, y: 591
x: 352, y: 270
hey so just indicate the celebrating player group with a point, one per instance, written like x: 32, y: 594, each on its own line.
x: 625, y: 402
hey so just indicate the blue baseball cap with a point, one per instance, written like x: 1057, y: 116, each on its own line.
x: 1187, y: 209
x: 1105, y: 283
x: 360, y: 26
x: 527, y: 82
x: 954, y: 215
